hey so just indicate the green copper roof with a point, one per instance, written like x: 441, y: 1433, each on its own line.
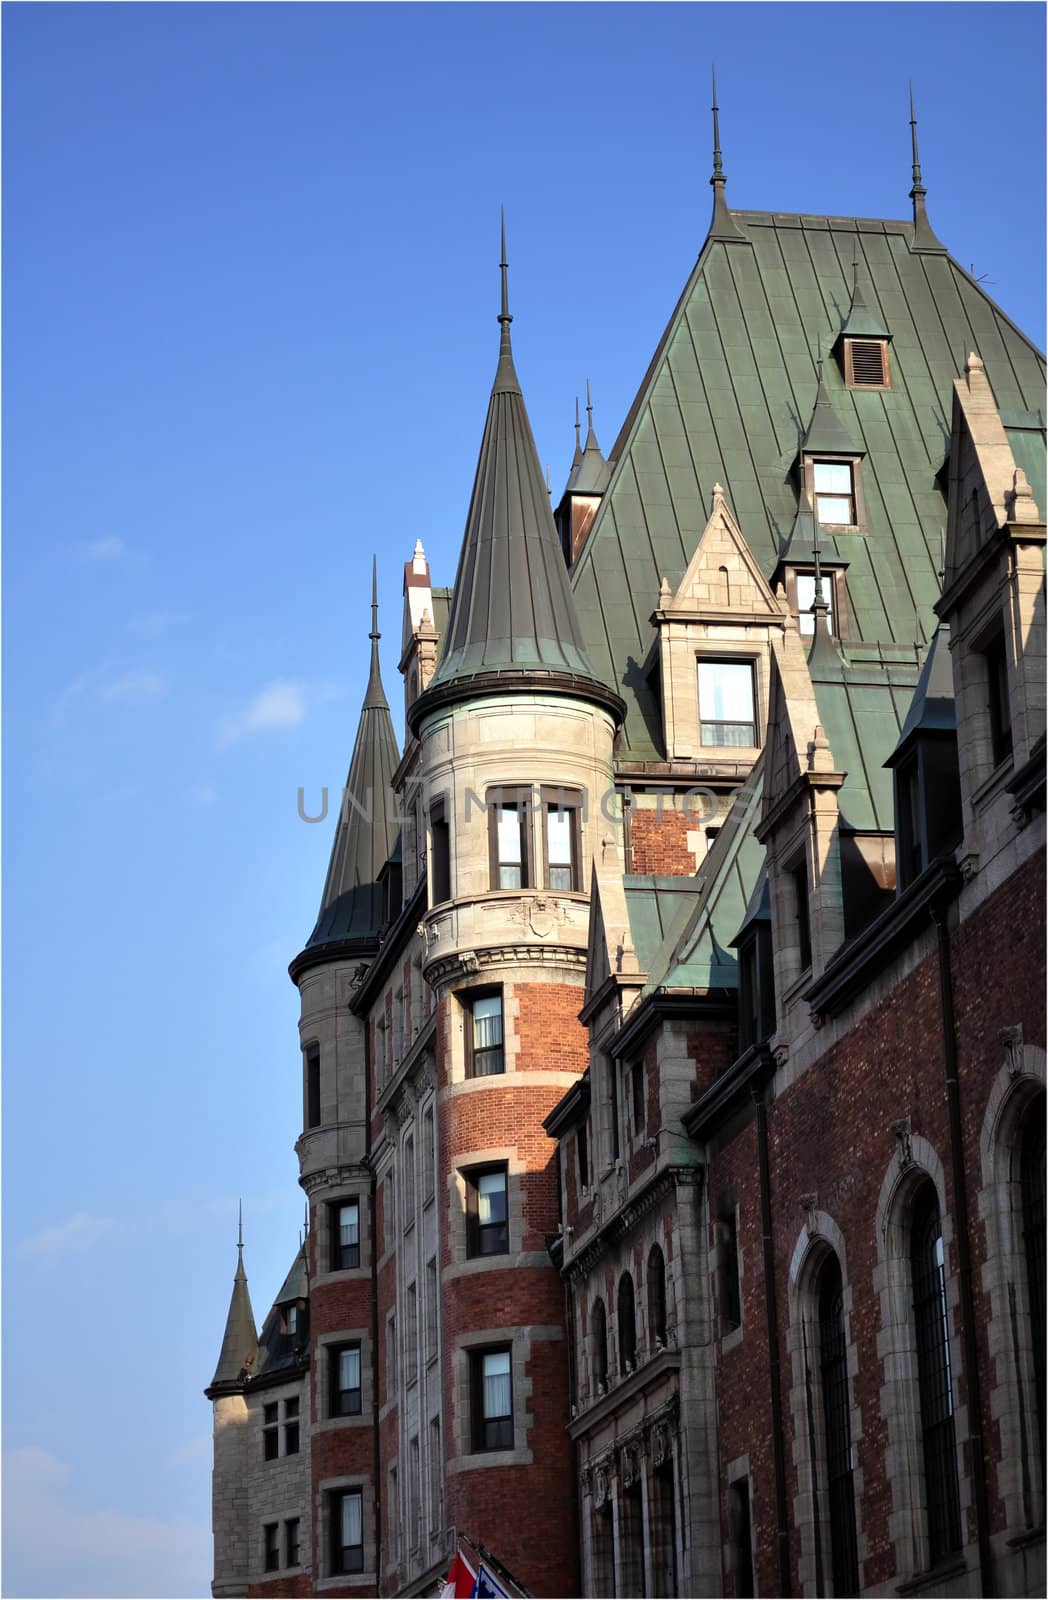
x: 511, y: 610
x: 826, y: 434
x: 656, y: 907
x: 932, y: 709
x: 862, y: 321
x: 352, y: 906
x: 240, y: 1341
x: 727, y: 399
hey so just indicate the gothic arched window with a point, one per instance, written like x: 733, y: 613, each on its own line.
x: 1031, y: 1185
x: 627, y: 1325
x: 656, y: 1297
x: 833, y: 1364
x: 934, y: 1376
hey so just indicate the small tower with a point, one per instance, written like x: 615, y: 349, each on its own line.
x: 230, y: 1474
x: 587, y: 481
x: 516, y: 732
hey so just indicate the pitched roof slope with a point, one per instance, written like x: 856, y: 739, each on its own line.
x: 240, y: 1340
x: 728, y: 397
x: 512, y: 612
x: 351, y: 907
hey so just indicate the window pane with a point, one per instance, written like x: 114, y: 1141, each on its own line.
x: 806, y: 599
x: 352, y: 1519
x: 835, y: 511
x: 497, y: 1397
x: 509, y: 835
x: 833, y: 477
x: 349, y: 1369
x: 491, y: 1197
x: 726, y: 691
x: 349, y: 1224
x: 558, y: 834
x: 487, y: 1022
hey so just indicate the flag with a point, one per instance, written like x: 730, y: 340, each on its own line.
x: 488, y: 1586
x: 462, y: 1580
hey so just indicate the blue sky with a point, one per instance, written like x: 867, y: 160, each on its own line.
x: 250, y: 285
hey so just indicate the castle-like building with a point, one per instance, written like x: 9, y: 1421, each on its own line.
x: 672, y: 1035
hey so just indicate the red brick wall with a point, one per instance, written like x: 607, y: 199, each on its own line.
x: 660, y: 843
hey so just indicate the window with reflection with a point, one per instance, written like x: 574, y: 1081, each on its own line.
x: 727, y: 715
x: 834, y: 484
x: 934, y: 1376
x: 486, y: 1056
x: 492, y: 1375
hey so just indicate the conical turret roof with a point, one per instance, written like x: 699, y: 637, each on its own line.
x: 513, y: 620
x: 351, y: 907
x: 589, y: 470
x: 826, y: 433
x: 240, y: 1340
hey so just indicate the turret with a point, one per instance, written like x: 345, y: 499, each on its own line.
x: 230, y: 1511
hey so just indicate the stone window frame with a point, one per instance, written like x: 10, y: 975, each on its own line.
x: 1019, y: 1083
x: 435, y: 1475
x: 738, y: 1471
x: 461, y: 1262
x: 816, y: 1241
x: 280, y: 1519
x: 915, y: 1162
x: 325, y: 1420
x: 323, y: 1214
x: 837, y: 458
x: 519, y: 1342
x: 277, y: 1429
x: 731, y: 1336
x: 732, y: 653
x: 326, y: 1490
x: 312, y: 1069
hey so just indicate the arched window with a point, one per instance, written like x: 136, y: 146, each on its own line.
x: 656, y: 1297
x: 600, y: 1345
x: 934, y: 1376
x: 1031, y: 1185
x: 627, y: 1325
x: 840, y: 1491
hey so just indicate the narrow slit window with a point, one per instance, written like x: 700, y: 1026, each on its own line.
x: 562, y: 845
x: 493, y: 1400
x: 486, y: 1054
x: 345, y: 1241
x: 345, y: 1384
x: 347, y: 1525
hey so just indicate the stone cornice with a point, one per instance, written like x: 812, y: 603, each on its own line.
x: 458, y: 966
x: 750, y: 1070
x: 665, y: 1363
x: 624, y: 1218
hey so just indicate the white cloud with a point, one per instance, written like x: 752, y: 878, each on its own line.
x: 78, y: 1232
x: 280, y: 704
x: 52, y: 1546
x: 109, y: 548
x: 103, y: 686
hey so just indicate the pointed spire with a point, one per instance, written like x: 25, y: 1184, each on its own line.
x: 240, y: 1339
x: 352, y: 906
x: 589, y: 471
x: 862, y: 322
x: 506, y: 380
x: 577, y: 457
x: 512, y: 613
x: 923, y: 235
x: 591, y: 437
x: 826, y: 433
x: 722, y: 225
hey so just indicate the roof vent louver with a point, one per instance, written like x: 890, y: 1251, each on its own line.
x: 866, y: 363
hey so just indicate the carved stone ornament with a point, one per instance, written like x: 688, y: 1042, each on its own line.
x: 661, y: 1444
x: 360, y: 972
x: 809, y: 1205
x: 601, y: 1487
x: 542, y: 916
x: 631, y: 1465
x: 969, y: 865
x: 901, y: 1130
x: 1012, y: 1039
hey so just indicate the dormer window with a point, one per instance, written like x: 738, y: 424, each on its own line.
x: 866, y: 364
x: 834, y: 486
x: 804, y: 599
x: 727, y: 714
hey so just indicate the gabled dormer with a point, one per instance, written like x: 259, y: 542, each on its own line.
x: 925, y: 768
x: 828, y: 467
x: 587, y: 481
x: 861, y: 347
x: 714, y: 647
x: 993, y: 600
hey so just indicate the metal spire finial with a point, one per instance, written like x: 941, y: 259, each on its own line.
x: 718, y: 169
x: 918, y: 186
x: 589, y: 405
x: 240, y: 1224
x: 374, y: 634
x: 504, y: 315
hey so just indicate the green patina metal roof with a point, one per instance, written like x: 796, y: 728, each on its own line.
x: 1027, y: 444
x: 353, y: 903
x: 697, y: 955
x: 862, y: 707
x: 862, y: 321
x: 932, y: 709
x: 728, y: 397
x: 656, y: 907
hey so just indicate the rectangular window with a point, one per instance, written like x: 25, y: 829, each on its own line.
x: 487, y: 1226
x: 292, y: 1557
x: 431, y: 1309
x: 391, y: 1356
x: 582, y: 1152
x: 292, y: 1321
x: 345, y: 1380
x: 389, y: 1206
x: 727, y: 717
x: 312, y: 1086
x: 561, y: 830
x: 408, y: 1182
x: 834, y: 483
x: 996, y: 659
x: 271, y: 1546
x: 741, y: 1536
x: 799, y: 878
x: 806, y: 599
x: 728, y: 1265
x: 508, y: 838
x: 429, y: 1155
x: 347, y: 1532
x: 613, y: 1079
x: 411, y: 1335
x: 414, y: 1492
x: 640, y: 1110
x: 486, y: 1056
x: 492, y: 1400
x: 291, y: 1427
x: 393, y: 1515
x: 436, y: 1477
x: 345, y: 1235
x: 441, y: 866
x: 270, y: 1432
